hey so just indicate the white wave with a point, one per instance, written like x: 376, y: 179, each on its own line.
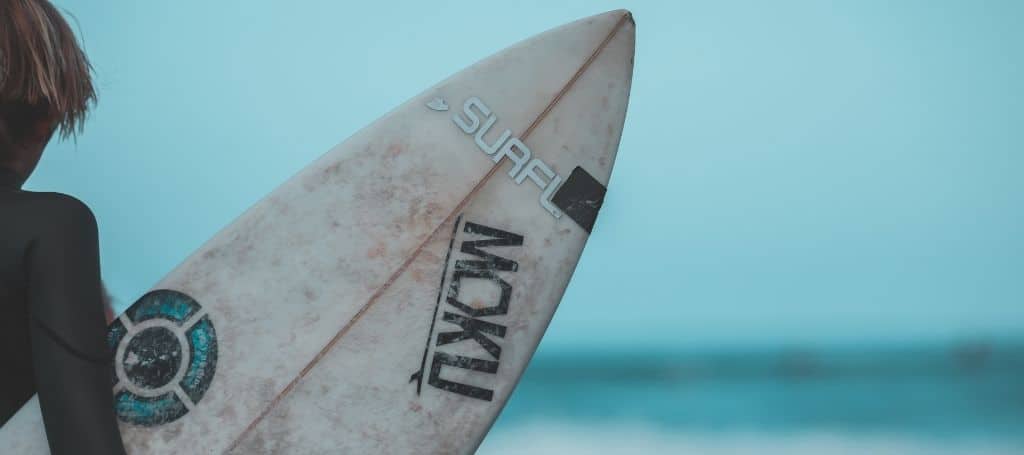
x: 559, y: 438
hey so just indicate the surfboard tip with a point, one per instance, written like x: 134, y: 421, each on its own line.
x: 623, y: 14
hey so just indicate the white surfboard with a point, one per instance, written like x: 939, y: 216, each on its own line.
x: 388, y: 297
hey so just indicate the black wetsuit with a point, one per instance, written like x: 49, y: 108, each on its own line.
x: 52, y: 329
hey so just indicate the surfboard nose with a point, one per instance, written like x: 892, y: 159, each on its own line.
x: 628, y: 28
x: 623, y: 28
x: 624, y: 13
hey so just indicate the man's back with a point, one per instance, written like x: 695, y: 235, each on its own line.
x: 17, y: 384
x: 53, y: 326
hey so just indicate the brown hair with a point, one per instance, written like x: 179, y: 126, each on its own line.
x: 44, y: 74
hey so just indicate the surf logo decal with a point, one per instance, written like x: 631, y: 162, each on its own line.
x: 165, y: 356
x: 524, y: 166
x: 437, y: 104
x: 476, y: 298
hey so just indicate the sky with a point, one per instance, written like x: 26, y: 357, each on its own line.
x: 791, y: 172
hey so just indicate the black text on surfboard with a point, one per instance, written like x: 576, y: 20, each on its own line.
x: 476, y: 290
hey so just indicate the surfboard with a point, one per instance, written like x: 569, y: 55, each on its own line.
x: 387, y: 298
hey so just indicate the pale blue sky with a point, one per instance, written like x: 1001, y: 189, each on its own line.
x: 789, y: 172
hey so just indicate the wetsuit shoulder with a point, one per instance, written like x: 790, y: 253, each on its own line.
x: 61, y: 251
x: 45, y: 214
x: 64, y: 205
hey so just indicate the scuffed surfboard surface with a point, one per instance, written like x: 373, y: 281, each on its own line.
x: 388, y: 297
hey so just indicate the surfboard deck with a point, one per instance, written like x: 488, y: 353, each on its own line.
x: 388, y: 297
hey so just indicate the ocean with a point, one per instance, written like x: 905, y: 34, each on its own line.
x: 965, y: 398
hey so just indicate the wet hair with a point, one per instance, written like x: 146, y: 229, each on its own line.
x: 45, y: 77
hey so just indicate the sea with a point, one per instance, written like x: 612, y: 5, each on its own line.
x: 955, y: 398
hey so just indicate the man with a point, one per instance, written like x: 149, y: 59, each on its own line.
x: 52, y: 332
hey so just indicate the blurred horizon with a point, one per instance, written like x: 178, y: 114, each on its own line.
x: 928, y: 398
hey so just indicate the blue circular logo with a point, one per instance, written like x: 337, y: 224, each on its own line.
x: 165, y: 356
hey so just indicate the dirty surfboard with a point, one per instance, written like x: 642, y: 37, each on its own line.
x: 387, y: 298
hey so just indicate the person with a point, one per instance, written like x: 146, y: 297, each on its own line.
x: 53, y: 331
